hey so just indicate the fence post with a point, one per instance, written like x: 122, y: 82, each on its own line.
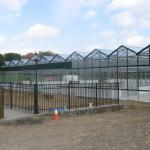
x: 1, y: 102
x: 118, y: 92
x: 36, y: 109
x: 69, y: 96
x: 96, y: 93
x: 11, y: 96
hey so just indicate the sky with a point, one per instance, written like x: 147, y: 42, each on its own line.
x: 64, y: 26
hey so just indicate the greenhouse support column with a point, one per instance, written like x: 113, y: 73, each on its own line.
x: 127, y: 71
x: 69, y: 96
x: 138, y: 75
x: 96, y: 93
x: 108, y: 70
x: 92, y: 70
x: 149, y: 56
x: 117, y: 69
x: 11, y: 96
x: 78, y: 70
x: 118, y: 92
x: 84, y: 72
x: 100, y: 78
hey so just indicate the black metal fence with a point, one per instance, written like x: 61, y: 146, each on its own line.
x: 47, y: 97
x: 19, y: 96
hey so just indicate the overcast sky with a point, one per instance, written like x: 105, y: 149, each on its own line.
x: 64, y: 26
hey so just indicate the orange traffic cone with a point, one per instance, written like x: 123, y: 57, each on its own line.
x: 56, y: 115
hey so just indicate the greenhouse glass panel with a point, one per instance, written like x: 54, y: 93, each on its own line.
x: 22, y: 62
x: 144, y: 56
x: 57, y: 58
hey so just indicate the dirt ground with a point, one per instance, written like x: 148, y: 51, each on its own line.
x: 128, y: 129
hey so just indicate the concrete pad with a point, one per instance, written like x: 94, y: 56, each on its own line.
x: 13, y: 114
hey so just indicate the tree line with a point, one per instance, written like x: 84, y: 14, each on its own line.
x: 16, y: 56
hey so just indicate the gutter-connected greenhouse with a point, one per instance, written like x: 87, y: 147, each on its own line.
x: 128, y: 66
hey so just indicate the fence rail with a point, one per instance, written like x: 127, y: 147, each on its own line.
x: 40, y: 98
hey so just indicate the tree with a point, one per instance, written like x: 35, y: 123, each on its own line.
x: 1, y: 60
x: 46, y: 53
x: 28, y: 56
x: 11, y: 56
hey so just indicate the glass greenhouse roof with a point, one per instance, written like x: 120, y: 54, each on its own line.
x: 74, y: 56
x: 121, y: 52
x: 23, y: 61
x: 57, y: 58
x: 48, y: 58
x: 136, y: 49
x: 96, y: 54
x: 6, y: 63
x: 83, y: 54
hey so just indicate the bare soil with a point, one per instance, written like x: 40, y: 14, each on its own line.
x: 128, y: 129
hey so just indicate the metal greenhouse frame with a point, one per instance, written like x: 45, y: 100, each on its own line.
x: 127, y: 66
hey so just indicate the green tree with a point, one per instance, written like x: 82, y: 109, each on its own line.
x: 11, y: 56
x: 1, y: 59
x: 46, y: 53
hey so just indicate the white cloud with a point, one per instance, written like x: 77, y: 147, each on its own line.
x: 69, y: 10
x: 10, y: 9
x: 132, y: 16
x: 137, y: 40
x: 81, y: 2
x: 2, y: 40
x: 139, y: 9
x: 90, y: 2
x: 95, y: 25
x: 12, y: 5
x: 124, y: 20
x: 137, y: 13
x: 90, y: 14
x: 35, y: 36
x: 109, y: 39
x: 144, y: 23
x: 39, y: 31
x: 105, y: 39
x: 75, y: 5
x: 108, y: 34
x: 121, y: 4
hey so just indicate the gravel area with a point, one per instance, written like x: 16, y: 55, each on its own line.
x: 128, y: 129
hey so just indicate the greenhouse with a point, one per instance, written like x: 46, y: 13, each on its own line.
x: 129, y: 67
